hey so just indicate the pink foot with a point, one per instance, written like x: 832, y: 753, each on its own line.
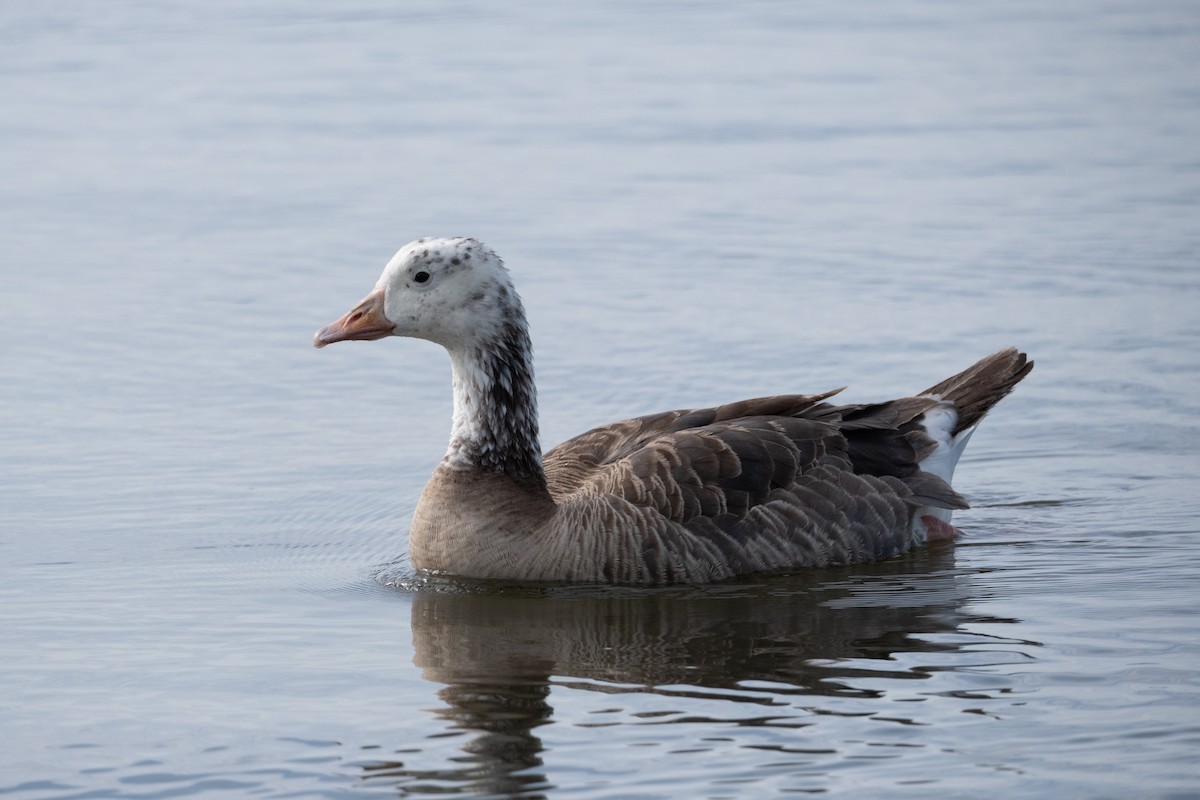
x: 938, y: 531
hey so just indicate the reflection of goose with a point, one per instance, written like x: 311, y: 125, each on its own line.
x: 502, y: 758
x: 807, y: 640
x: 715, y: 637
x: 682, y: 497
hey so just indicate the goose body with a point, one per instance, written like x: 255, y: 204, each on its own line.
x: 690, y: 496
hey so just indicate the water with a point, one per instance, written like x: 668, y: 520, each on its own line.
x: 200, y: 515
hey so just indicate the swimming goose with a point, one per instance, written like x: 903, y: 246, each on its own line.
x: 691, y: 496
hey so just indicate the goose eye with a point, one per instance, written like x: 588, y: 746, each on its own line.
x: 421, y: 277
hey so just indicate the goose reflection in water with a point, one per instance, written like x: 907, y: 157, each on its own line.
x: 499, y: 651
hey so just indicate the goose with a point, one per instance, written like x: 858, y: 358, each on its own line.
x: 770, y: 484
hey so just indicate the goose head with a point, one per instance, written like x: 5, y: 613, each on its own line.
x: 457, y: 293
x: 452, y: 291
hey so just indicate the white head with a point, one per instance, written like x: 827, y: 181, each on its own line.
x: 452, y: 291
x: 456, y: 292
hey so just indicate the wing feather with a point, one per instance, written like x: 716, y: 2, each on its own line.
x: 760, y: 484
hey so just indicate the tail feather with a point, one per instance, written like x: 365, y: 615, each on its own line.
x: 964, y: 399
x: 976, y: 389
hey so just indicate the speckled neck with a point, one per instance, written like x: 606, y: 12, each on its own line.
x: 495, y: 406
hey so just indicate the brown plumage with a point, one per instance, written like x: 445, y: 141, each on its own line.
x: 690, y: 496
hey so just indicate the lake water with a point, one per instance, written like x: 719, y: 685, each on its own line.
x: 203, y: 586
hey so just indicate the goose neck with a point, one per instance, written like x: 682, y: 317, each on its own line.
x: 495, y: 426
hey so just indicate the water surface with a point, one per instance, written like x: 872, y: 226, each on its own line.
x: 202, y: 520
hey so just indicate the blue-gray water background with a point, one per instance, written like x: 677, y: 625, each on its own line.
x: 699, y: 202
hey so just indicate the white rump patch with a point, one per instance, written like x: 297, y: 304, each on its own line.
x: 939, y: 423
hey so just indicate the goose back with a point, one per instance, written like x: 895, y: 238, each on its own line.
x: 761, y: 485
